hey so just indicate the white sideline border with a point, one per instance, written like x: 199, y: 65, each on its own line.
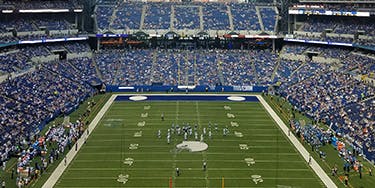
x: 302, y: 150
x: 57, y: 173
x: 59, y: 170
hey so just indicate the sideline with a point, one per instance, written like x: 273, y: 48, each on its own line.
x: 59, y: 170
x: 305, y: 154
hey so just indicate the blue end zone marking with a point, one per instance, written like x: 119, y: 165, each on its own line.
x: 188, y: 98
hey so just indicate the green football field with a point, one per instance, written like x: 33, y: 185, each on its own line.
x: 124, y: 150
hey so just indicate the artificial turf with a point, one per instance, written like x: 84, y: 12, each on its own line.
x: 100, y: 162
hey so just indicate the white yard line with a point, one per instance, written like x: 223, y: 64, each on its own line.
x: 194, y: 169
x: 56, y: 174
x: 186, y: 178
x: 175, y: 152
x: 183, y: 160
x: 305, y: 154
x: 209, y: 153
x: 203, y: 152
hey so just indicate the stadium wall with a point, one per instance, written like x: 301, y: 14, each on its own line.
x: 148, y: 88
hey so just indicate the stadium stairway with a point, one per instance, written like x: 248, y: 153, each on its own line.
x: 186, y: 70
x: 100, y: 75
x: 153, y: 65
x: 256, y: 79
x: 178, y: 71
x: 73, y: 67
x: 297, y: 69
x: 171, y: 26
x: 304, y: 63
x: 113, y: 17
x: 265, y: 29
x: 299, y: 26
x: 195, y: 70
x: 62, y: 73
x: 277, y: 19
x: 276, y: 68
x: 350, y: 55
x: 259, y: 18
x: 14, y: 75
x: 220, y: 72
x: 201, y: 18
x: 143, y: 15
x: 229, y: 10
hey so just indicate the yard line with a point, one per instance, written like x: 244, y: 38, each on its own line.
x: 128, y: 115
x: 175, y: 152
x: 216, y: 139
x: 209, y: 153
x: 187, y: 160
x: 150, y: 128
x: 157, y: 187
x: 161, y: 146
x: 193, y: 169
x: 203, y: 152
x: 190, y: 177
x: 119, y: 134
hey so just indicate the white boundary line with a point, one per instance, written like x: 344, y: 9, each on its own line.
x: 305, y: 154
x: 56, y: 174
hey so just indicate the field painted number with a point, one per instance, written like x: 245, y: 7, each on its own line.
x: 238, y: 134
x: 249, y: 161
x: 141, y: 124
x: 133, y: 146
x: 229, y: 115
x: 129, y: 161
x: 123, y: 178
x: 257, y: 179
x: 243, y: 147
x: 234, y: 124
x: 138, y: 134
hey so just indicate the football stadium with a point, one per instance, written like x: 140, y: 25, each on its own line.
x: 187, y: 93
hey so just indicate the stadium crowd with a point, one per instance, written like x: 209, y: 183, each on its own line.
x: 57, y: 87
x: 40, y: 4
x: 171, y: 67
x: 345, y: 29
x: 320, y: 90
x: 29, y: 101
x: 186, y: 17
x: 158, y: 15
